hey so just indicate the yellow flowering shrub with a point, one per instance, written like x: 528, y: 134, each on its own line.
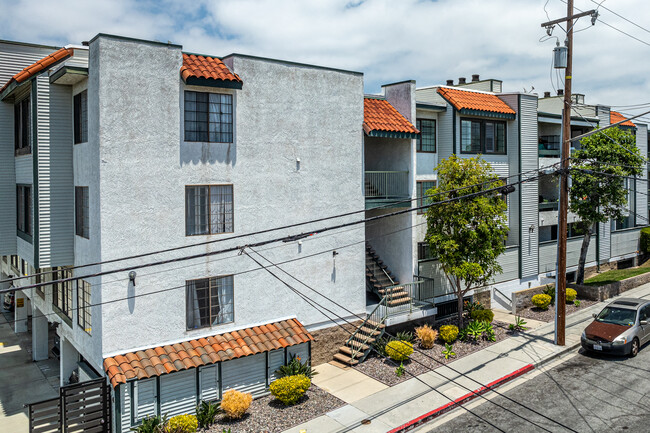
x: 235, y: 403
x: 289, y: 389
x: 571, y: 295
x: 399, y: 350
x: 183, y: 424
x: 448, y: 333
x: 541, y: 301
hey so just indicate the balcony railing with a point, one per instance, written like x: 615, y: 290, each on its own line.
x: 548, y: 205
x: 387, y: 187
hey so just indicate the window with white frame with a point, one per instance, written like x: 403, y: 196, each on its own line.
x: 209, y: 301
x: 208, y: 117
x: 208, y: 209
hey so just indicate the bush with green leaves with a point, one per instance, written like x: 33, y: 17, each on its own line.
x: 206, y: 412
x: 541, y: 301
x: 182, y: 424
x: 470, y: 307
x: 550, y: 291
x: 295, y: 367
x: 289, y: 389
x: 571, y: 295
x: 448, y: 352
x: 645, y: 240
x: 482, y: 315
x: 405, y: 336
x: 151, y: 424
x: 448, y: 333
x: 399, y: 350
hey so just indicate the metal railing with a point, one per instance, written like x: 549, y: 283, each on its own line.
x: 386, y: 184
x: 359, y: 340
x: 426, y: 289
x: 412, y: 299
x: 549, y: 205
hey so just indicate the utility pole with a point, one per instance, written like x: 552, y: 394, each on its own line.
x: 560, y: 286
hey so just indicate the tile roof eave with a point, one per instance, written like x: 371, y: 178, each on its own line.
x: 211, y: 82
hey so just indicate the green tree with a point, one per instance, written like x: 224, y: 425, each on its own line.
x: 467, y: 235
x: 598, y: 191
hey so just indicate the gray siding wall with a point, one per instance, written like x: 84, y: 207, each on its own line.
x: 642, y: 182
x: 624, y: 242
x: 509, y: 261
x: 513, y: 168
x: 529, y: 190
x: 24, y: 168
x: 548, y: 254
x: 7, y: 181
x: 604, y: 229
x: 445, y: 126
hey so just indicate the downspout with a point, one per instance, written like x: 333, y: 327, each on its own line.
x: 453, y: 114
x: 35, y: 242
x: 521, y: 218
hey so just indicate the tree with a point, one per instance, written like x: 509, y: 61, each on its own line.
x: 467, y: 235
x: 598, y: 192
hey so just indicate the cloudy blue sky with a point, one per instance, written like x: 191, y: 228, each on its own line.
x: 388, y: 40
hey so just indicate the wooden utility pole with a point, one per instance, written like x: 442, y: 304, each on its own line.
x: 560, y: 287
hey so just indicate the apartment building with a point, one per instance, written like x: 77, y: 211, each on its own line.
x: 121, y: 147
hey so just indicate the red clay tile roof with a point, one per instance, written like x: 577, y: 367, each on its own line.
x: 380, y: 115
x: 39, y: 66
x: 615, y: 116
x: 210, y: 68
x: 463, y: 99
x: 204, y: 351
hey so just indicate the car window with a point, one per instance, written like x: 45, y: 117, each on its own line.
x: 645, y: 313
x: 617, y: 316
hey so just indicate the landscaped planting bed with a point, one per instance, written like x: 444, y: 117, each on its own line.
x: 549, y: 314
x: 267, y: 414
x: 420, y: 361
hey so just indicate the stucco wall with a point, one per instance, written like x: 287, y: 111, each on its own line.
x: 284, y: 112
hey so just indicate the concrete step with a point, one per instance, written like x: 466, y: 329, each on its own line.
x: 345, y: 359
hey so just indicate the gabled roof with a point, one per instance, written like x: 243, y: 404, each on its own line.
x: 205, y: 70
x: 161, y: 360
x: 41, y: 65
x: 381, y: 119
x: 615, y: 116
x: 474, y: 102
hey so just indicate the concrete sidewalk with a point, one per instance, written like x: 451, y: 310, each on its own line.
x: 394, y: 406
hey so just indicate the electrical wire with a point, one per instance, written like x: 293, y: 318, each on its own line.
x: 620, y: 16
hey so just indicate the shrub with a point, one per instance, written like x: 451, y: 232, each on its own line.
x: 380, y: 345
x: 399, y: 350
x: 470, y: 307
x: 295, y: 367
x: 206, y: 412
x: 482, y: 315
x: 518, y: 325
x: 645, y: 240
x: 151, y: 424
x: 550, y: 291
x: 182, y: 424
x: 449, y: 351
x: 289, y: 389
x: 448, y: 333
x: 427, y: 336
x: 405, y: 336
x: 576, y: 303
x: 235, y: 403
x: 400, y: 370
x: 541, y: 301
x: 571, y: 295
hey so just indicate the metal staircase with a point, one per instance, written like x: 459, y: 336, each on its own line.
x: 380, y: 280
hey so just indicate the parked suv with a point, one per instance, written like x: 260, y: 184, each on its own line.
x: 622, y: 327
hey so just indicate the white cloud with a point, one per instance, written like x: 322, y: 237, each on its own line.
x: 429, y: 41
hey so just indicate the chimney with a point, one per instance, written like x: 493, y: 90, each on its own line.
x: 450, y: 82
x: 475, y: 77
x: 462, y: 80
x: 560, y: 92
x: 547, y: 94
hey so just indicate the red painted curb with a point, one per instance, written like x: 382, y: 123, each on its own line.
x: 461, y: 400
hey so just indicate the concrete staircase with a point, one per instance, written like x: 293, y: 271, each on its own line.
x: 381, y: 281
x: 358, y: 347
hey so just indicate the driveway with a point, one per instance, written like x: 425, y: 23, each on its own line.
x: 21, y: 380
x: 587, y: 393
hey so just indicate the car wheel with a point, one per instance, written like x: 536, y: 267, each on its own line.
x: 634, y: 350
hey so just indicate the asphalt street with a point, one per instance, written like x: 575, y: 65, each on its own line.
x: 587, y: 393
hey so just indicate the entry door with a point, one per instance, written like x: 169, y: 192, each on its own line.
x: 644, y: 314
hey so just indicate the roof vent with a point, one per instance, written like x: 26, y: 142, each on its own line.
x: 560, y: 92
x: 475, y: 77
x: 85, y: 43
x: 450, y: 82
x: 462, y: 80
x: 547, y: 94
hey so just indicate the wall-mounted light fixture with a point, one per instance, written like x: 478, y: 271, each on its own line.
x: 132, y: 276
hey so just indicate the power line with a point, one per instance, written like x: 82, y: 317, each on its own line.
x: 620, y: 16
x: 419, y: 351
x: 288, y: 238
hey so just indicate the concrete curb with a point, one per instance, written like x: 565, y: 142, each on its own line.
x: 461, y: 400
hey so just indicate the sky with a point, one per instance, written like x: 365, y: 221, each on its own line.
x: 387, y: 40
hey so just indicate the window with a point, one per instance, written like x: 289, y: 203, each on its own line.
x: 427, y: 139
x: 38, y: 279
x: 24, y: 210
x: 208, y: 209
x: 422, y: 188
x: 81, y: 117
x: 62, y: 292
x: 482, y: 136
x: 14, y: 262
x: 208, y: 117
x: 81, y: 218
x: 83, y: 305
x: 209, y: 302
x: 22, y: 128
x: 424, y: 251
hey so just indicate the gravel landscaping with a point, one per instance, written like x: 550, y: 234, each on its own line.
x: 268, y: 415
x: 549, y: 315
x: 384, y: 369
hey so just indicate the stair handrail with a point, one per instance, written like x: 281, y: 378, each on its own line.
x: 379, y: 318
